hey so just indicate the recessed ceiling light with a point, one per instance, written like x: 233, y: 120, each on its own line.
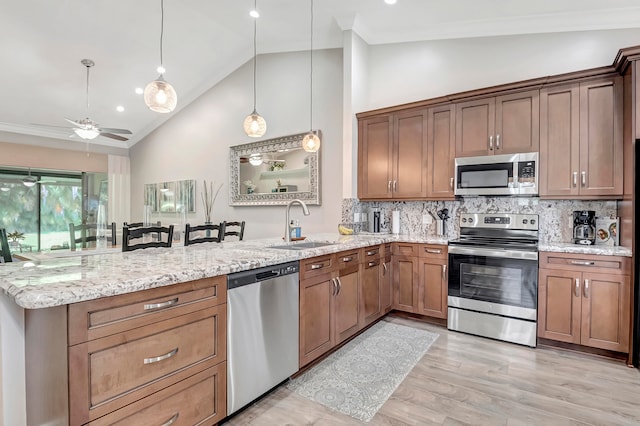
x: 254, y: 14
x: 390, y: 1
x: 120, y: 108
x: 139, y: 90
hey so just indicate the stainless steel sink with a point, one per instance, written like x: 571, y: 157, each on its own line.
x: 302, y: 246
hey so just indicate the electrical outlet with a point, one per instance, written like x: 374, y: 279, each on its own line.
x: 356, y: 217
x: 426, y: 219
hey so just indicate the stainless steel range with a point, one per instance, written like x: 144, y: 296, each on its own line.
x: 493, y: 277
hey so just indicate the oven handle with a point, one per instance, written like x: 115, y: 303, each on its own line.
x: 492, y: 252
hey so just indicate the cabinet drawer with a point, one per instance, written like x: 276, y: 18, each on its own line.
x: 317, y: 266
x: 197, y: 400
x: 405, y: 249
x: 346, y: 259
x: 435, y: 251
x: 108, y: 373
x: 371, y: 253
x: 585, y: 262
x: 107, y: 316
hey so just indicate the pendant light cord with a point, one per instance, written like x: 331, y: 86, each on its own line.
x: 311, y: 75
x: 161, y: 31
x: 87, y: 89
x: 255, y: 54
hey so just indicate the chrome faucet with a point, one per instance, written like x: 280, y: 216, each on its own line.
x: 287, y: 229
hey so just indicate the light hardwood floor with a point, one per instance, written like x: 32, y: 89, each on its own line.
x: 464, y: 379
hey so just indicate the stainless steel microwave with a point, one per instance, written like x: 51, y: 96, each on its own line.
x: 506, y: 174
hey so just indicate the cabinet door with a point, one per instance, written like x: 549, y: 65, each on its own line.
x: 517, y: 123
x: 432, y: 292
x: 475, y: 123
x: 560, y: 141
x: 316, y: 333
x: 405, y: 275
x: 605, y: 311
x: 375, y: 157
x: 410, y: 161
x: 386, y: 297
x: 441, y: 143
x: 601, y: 143
x: 346, y: 304
x: 559, y: 305
x: 371, y: 291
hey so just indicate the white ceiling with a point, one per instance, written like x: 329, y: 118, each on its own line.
x: 43, y: 42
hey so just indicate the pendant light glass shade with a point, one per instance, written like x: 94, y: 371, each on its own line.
x: 159, y: 95
x: 311, y: 141
x: 254, y: 124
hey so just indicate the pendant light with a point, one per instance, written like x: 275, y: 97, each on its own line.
x: 160, y: 95
x: 254, y: 124
x: 311, y: 141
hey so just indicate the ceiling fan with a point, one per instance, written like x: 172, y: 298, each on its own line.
x: 88, y: 129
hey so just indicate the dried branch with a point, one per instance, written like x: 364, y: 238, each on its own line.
x: 208, y: 198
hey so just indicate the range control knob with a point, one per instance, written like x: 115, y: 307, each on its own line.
x: 525, y: 221
x: 533, y: 221
x: 470, y: 220
x: 464, y: 220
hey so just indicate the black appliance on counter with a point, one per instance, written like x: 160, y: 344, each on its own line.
x: 493, y: 277
x: 584, y: 227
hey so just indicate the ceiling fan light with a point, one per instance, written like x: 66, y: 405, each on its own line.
x: 311, y: 142
x: 86, y: 133
x: 255, y: 125
x: 160, y: 96
x: 28, y: 182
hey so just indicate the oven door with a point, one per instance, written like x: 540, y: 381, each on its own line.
x: 495, y: 281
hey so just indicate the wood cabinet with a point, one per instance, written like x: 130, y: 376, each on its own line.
x: 503, y: 124
x: 584, y: 299
x: 392, y: 153
x: 581, y: 143
x: 386, y: 288
x: 347, y: 296
x: 420, y: 277
x: 372, y: 290
x: 139, y: 354
x: 441, y: 125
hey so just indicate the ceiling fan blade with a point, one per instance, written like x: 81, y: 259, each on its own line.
x: 49, y: 125
x: 112, y: 136
x: 75, y: 123
x: 111, y: 130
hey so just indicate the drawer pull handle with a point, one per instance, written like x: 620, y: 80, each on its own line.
x: 317, y: 266
x: 577, y: 290
x: 172, y: 420
x: 160, y: 305
x: 582, y: 263
x: 444, y: 272
x: 370, y: 264
x: 372, y: 252
x: 384, y: 265
x: 339, y: 285
x: 433, y: 251
x: 155, y: 359
x: 347, y: 259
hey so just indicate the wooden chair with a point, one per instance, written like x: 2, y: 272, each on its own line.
x: 216, y: 233
x: 4, y: 246
x: 129, y: 234
x: 233, y: 229
x: 89, y: 233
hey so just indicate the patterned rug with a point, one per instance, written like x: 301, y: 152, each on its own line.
x: 358, y: 378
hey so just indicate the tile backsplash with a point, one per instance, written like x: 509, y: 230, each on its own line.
x: 555, y: 216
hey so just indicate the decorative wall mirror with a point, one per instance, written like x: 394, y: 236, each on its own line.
x: 274, y: 172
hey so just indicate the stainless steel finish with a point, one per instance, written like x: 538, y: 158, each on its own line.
x: 334, y: 290
x: 575, y: 178
x: 577, y: 289
x: 491, y: 142
x: 172, y: 420
x: 451, y: 183
x: 492, y: 308
x: 513, y: 189
x: 151, y: 306
x: 586, y: 289
x: 516, y: 221
x: 384, y: 265
x: 494, y: 252
x: 155, y: 359
x: 493, y: 326
x: 370, y: 264
x: 263, y: 302
x: 287, y: 230
x: 498, y: 141
x: 584, y: 178
x: 582, y: 263
x: 372, y: 252
x: 395, y: 186
x: 433, y: 251
x: 444, y: 272
x: 389, y: 186
x: 347, y: 259
x: 339, y: 285
x: 317, y: 266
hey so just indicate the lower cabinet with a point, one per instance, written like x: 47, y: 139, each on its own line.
x: 371, y: 308
x: 420, y: 278
x: 385, y: 277
x: 585, y: 300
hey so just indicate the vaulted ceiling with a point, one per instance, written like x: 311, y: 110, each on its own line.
x: 43, y: 81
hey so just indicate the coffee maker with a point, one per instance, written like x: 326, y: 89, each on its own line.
x: 584, y: 227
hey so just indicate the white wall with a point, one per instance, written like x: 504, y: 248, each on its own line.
x: 195, y: 143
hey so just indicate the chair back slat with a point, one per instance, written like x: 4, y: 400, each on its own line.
x: 4, y: 246
x: 216, y: 232
x: 233, y: 228
x: 137, y: 233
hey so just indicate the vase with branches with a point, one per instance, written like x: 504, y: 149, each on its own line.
x: 208, y: 198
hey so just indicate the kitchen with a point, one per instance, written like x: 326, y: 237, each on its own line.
x: 161, y: 147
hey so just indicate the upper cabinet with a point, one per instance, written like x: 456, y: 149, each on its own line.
x: 581, y: 143
x: 502, y: 124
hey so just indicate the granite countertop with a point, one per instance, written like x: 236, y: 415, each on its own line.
x: 48, y: 282
x: 582, y: 249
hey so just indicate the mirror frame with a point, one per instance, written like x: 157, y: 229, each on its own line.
x: 311, y: 197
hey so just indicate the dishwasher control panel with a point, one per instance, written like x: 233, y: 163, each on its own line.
x: 251, y: 276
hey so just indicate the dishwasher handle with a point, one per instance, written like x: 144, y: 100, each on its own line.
x: 261, y: 276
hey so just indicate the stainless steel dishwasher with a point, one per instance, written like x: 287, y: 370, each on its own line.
x: 262, y: 331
